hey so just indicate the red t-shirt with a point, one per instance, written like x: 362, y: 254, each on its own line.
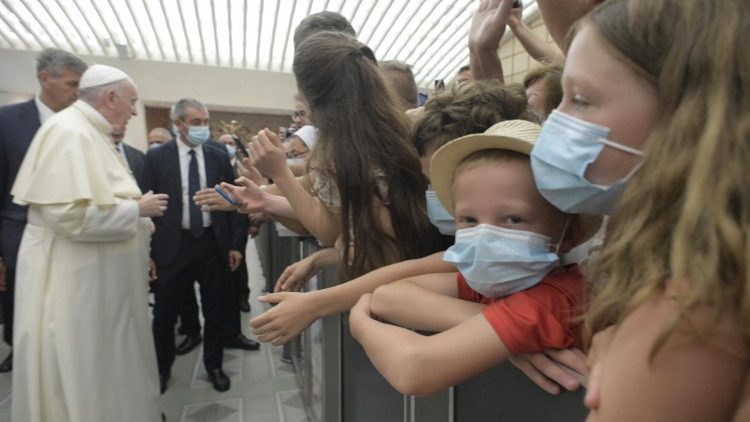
x: 538, y: 318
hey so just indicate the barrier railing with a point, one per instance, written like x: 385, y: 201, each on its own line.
x: 338, y: 383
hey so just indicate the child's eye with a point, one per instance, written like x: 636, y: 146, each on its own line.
x: 468, y: 220
x: 514, y: 219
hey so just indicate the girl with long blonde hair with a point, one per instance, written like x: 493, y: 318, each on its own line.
x: 655, y: 121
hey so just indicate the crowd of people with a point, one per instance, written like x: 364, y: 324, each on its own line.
x: 590, y: 225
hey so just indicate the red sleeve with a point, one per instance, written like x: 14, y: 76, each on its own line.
x: 465, y: 292
x: 541, y: 317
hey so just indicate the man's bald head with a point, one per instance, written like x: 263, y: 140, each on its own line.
x: 158, y: 135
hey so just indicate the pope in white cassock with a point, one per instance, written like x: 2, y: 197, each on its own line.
x: 83, y: 345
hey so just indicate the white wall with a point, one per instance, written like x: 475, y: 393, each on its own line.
x: 161, y: 83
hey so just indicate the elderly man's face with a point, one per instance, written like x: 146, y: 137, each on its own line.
x: 122, y: 105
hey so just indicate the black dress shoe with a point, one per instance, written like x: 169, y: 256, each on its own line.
x: 186, y: 346
x: 241, y: 342
x: 163, y: 379
x: 219, y: 379
x: 245, y: 307
x: 7, y: 364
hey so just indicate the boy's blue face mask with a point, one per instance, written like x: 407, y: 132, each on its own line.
x: 497, y: 262
x: 439, y: 217
x: 565, y: 148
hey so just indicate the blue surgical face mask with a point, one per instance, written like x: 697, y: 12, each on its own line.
x: 497, y: 262
x: 152, y: 146
x: 198, y: 135
x: 439, y: 217
x: 232, y: 150
x: 565, y: 148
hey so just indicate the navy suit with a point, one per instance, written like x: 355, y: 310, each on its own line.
x: 181, y: 258
x: 18, y: 125
x: 135, y: 161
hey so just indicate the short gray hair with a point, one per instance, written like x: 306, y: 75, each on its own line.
x: 161, y: 130
x: 182, y: 105
x: 55, y: 61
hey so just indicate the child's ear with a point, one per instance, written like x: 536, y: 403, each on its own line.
x: 572, y: 236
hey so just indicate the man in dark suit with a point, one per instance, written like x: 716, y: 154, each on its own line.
x: 133, y: 158
x: 58, y: 73
x: 189, y: 244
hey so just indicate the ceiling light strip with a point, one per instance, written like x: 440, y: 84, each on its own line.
x: 171, y: 32
x: 416, y: 31
x: 53, y: 16
x: 377, y: 24
x: 260, y: 29
x: 75, y: 27
x: 433, y: 45
x: 244, y: 34
x: 6, y: 39
x: 288, y: 31
x: 216, y: 35
x: 273, y: 33
x: 200, y: 30
x: 457, y: 40
x: 403, y: 28
x: 390, y: 27
x: 184, y: 32
x: 153, y: 29
x: 11, y: 34
x: 104, y: 23
x: 59, y: 27
x: 450, y: 65
x: 91, y: 27
x: 367, y: 16
x: 231, y: 35
x: 354, y: 12
x: 122, y: 28
x: 25, y: 25
x: 438, y: 59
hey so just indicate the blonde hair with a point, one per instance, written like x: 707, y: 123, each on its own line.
x: 686, y: 213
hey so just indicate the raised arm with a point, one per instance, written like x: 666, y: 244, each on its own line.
x: 487, y: 29
x: 535, y: 45
x: 269, y: 158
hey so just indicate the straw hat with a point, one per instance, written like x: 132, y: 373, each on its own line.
x: 513, y: 135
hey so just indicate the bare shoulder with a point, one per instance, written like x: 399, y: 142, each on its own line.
x: 689, y: 378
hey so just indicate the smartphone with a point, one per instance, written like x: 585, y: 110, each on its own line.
x: 225, y: 195
x: 240, y: 146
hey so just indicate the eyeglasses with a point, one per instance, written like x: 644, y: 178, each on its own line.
x: 299, y: 113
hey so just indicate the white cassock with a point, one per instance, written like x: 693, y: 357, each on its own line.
x: 82, y: 347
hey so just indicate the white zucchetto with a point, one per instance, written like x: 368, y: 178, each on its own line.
x: 101, y: 74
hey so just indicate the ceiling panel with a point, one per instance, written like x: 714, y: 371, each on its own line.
x: 430, y: 35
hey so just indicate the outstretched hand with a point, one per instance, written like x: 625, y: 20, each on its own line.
x: 293, y: 313
x: 296, y: 275
x: 210, y: 200
x: 267, y: 154
x: 249, y: 197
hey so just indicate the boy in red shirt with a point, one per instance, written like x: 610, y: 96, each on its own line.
x: 511, y: 295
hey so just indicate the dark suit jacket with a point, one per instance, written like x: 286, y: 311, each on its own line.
x: 161, y: 174
x: 135, y: 161
x: 18, y: 125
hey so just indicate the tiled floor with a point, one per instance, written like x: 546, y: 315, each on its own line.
x: 263, y: 388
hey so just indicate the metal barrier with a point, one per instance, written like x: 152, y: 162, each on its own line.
x: 338, y: 382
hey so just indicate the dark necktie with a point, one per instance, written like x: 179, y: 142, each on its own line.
x: 194, y: 184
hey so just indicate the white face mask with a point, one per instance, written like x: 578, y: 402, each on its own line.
x: 497, y: 262
x: 560, y: 157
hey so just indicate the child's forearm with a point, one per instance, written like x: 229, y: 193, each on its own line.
x: 342, y: 297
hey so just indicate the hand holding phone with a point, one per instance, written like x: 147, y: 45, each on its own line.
x: 240, y: 146
x: 225, y: 195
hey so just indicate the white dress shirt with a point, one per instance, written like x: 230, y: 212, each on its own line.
x: 44, y: 112
x: 184, y: 153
